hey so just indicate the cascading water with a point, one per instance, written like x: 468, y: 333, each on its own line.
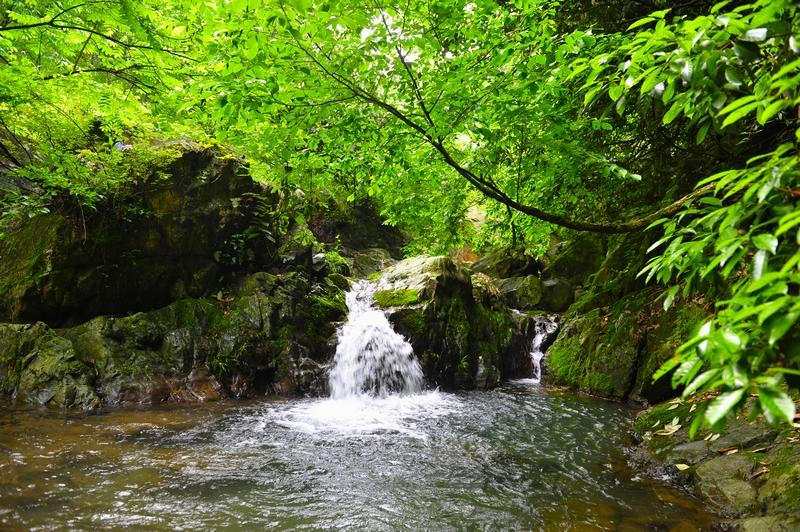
x: 543, y: 329
x: 371, y: 358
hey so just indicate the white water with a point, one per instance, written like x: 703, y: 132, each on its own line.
x: 543, y: 327
x: 376, y: 382
x: 371, y: 358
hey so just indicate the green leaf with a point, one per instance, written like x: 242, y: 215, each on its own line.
x: 754, y: 35
x: 766, y: 242
x: 740, y: 113
x: 641, y: 22
x: 766, y: 113
x: 777, y: 406
x: 759, y: 264
x: 673, y: 112
x: 779, y: 324
x: 700, y: 380
x: 702, y: 132
x: 670, y: 297
x: 251, y: 47
x: 722, y: 405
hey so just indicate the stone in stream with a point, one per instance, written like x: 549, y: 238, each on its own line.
x: 462, y: 331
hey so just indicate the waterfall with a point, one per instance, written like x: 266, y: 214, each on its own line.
x: 543, y: 329
x: 371, y: 358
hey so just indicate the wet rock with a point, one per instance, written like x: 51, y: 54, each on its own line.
x: 174, y: 236
x: 692, y: 452
x: 204, y: 386
x: 463, y: 333
x: 250, y: 341
x: 521, y: 292
x: 722, y: 481
x: 752, y: 472
x: 557, y: 294
x: 39, y: 367
x: 613, y: 351
x: 770, y: 523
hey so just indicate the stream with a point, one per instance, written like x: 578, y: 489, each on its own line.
x: 516, y: 457
x: 382, y: 453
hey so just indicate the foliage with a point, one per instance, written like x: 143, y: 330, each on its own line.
x: 448, y: 107
x: 735, y: 72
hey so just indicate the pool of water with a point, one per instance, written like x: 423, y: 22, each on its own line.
x: 519, y: 457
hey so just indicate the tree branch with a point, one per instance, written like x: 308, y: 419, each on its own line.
x: 484, y: 186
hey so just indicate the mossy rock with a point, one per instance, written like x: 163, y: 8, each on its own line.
x: 50, y: 373
x: 665, y: 332
x: 578, y: 258
x: 521, y: 292
x: 365, y: 263
x: 397, y: 298
x: 183, y: 232
x: 599, y: 351
x: 506, y: 262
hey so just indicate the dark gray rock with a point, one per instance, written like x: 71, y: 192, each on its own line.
x: 522, y: 293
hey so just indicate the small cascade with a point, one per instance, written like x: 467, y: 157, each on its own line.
x: 544, y: 327
x: 371, y: 358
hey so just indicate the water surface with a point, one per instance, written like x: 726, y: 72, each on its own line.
x: 519, y: 457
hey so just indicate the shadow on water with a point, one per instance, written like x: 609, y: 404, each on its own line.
x: 516, y: 457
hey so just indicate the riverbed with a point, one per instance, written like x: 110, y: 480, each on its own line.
x: 518, y: 457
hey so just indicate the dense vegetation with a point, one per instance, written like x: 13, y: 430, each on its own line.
x: 679, y: 116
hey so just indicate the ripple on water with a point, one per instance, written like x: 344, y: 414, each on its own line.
x: 518, y: 457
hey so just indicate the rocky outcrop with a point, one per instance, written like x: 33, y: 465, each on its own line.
x: 171, y: 232
x: 271, y: 334
x: 464, y: 334
x: 187, y: 292
x: 616, y: 335
x: 749, y: 474
x: 613, y: 351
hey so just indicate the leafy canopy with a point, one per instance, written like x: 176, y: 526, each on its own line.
x: 685, y: 121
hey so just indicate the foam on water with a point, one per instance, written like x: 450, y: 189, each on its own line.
x: 371, y: 358
x: 361, y: 415
x: 544, y: 328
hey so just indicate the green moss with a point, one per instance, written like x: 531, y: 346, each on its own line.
x: 338, y: 264
x: 25, y: 259
x: 410, y: 321
x: 397, y: 298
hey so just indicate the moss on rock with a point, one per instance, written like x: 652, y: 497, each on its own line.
x: 397, y: 298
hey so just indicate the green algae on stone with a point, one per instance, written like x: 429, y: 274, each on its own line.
x: 397, y: 298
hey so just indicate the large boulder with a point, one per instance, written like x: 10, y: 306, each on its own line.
x: 557, y: 294
x: 506, y: 262
x: 576, y: 259
x: 613, y: 351
x: 171, y: 232
x: 521, y: 292
x: 365, y: 262
x: 463, y: 332
x: 271, y: 334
